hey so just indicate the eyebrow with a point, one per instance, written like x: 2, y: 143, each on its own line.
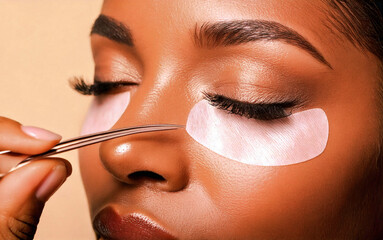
x: 112, y: 29
x: 211, y: 35
x: 227, y: 33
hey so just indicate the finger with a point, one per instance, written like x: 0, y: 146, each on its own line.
x: 24, y: 192
x: 25, y: 139
x: 10, y: 160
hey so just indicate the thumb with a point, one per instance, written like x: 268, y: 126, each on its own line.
x: 23, y: 194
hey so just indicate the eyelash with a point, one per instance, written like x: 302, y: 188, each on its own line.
x: 98, y: 87
x: 259, y: 111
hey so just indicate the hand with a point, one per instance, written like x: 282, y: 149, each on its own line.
x: 23, y: 193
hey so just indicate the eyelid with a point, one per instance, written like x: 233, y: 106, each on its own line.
x: 291, y: 102
x: 110, y: 87
x: 100, y: 87
x: 261, y: 111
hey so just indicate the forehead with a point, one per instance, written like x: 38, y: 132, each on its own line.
x: 170, y: 22
x: 303, y: 15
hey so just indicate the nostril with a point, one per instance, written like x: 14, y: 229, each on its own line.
x: 145, y: 175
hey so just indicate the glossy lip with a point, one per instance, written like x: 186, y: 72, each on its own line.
x: 109, y: 224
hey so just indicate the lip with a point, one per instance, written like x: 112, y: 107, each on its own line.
x: 111, y: 225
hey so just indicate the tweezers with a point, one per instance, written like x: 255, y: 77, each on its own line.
x: 86, y: 140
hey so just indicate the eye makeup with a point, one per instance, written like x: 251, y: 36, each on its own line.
x: 264, y: 135
x: 100, y: 87
x: 261, y: 111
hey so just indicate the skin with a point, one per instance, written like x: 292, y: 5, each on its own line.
x: 206, y: 196
x: 22, y: 204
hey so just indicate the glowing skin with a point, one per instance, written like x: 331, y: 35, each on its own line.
x: 195, y: 193
x: 105, y: 111
x: 295, y: 139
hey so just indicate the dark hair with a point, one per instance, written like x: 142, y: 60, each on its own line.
x: 360, y: 21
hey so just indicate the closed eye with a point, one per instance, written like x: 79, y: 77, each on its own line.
x: 260, y: 111
x: 100, y: 87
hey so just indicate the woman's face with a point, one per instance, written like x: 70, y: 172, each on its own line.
x: 139, y: 185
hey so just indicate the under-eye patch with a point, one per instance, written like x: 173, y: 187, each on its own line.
x: 105, y: 111
x: 294, y: 139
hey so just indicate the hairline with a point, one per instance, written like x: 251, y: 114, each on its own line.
x: 342, y: 17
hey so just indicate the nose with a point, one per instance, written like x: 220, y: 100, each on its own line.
x: 154, y: 159
x: 148, y: 159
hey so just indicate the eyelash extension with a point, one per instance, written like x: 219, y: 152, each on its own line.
x: 259, y: 111
x: 98, y: 87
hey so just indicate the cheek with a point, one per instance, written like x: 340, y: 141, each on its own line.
x: 104, y: 112
x: 295, y: 139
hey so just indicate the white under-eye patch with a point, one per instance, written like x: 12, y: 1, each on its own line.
x: 294, y: 139
x: 105, y: 111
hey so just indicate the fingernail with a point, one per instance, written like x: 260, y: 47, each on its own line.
x: 51, y: 183
x: 40, y: 133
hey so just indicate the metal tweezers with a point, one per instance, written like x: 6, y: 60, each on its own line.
x: 90, y: 139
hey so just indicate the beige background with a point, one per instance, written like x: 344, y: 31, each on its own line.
x: 42, y: 44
